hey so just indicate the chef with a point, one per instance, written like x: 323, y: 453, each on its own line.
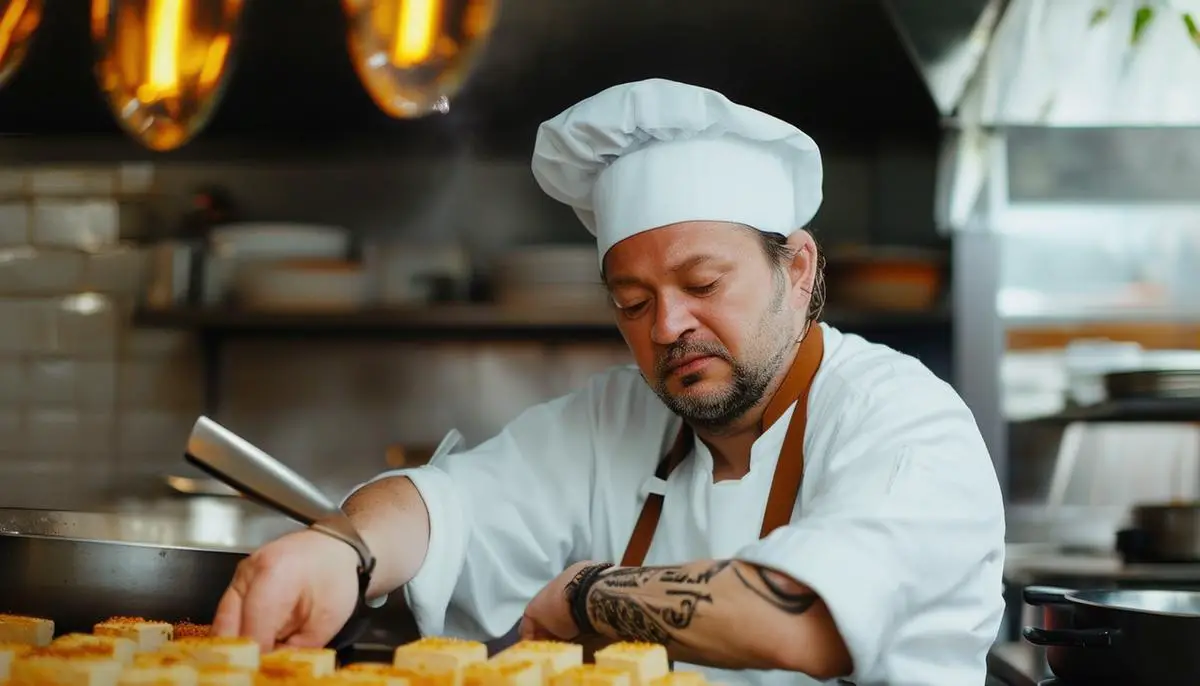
x: 775, y: 501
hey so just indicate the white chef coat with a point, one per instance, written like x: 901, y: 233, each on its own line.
x: 899, y: 526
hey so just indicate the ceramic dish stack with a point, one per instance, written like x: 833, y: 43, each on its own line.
x: 550, y: 277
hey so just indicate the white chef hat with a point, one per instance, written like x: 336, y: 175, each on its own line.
x: 651, y: 153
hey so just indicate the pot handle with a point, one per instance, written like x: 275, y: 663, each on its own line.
x: 1074, y: 638
x: 1046, y: 595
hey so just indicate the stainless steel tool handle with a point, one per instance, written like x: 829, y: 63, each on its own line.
x: 235, y: 461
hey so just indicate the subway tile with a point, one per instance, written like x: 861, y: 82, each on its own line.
x: 153, y: 432
x: 135, y: 178
x: 86, y: 324
x: 14, y: 223
x: 31, y: 271
x: 160, y: 382
x: 151, y: 343
x: 81, y: 224
x: 13, y: 386
x: 118, y: 271
x: 13, y: 183
x: 70, y: 431
x: 28, y: 325
x: 85, y: 384
x: 81, y: 180
x: 12, y: 430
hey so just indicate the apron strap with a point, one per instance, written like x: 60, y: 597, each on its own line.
x: 789, y: 469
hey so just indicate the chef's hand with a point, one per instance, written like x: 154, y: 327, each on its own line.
x: 297, y: 590
x: 548, y: 615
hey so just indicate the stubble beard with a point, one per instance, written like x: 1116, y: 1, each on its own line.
x: 749, y: 380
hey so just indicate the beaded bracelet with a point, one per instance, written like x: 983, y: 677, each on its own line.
x: 577, y: 593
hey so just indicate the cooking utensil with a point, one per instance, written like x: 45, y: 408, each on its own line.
x: 1167, y: 532
x: 1159, y: 384
x: 259, y: 476
x: 1119, y: 636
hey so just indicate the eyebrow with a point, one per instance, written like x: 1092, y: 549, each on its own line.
x: 690, y: 263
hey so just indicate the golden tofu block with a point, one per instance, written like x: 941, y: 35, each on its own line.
x: 591, y: 675
x: 190, y: 630
x: 504, y: 673
x: 643, y: 661
x: 390, y: 674
x: 64, y: 667
x: 680, y: 679
x: 9, y: 652
x: 164, y: 657
x: 555, y: 657
x: 223, y: 675
x: 235, y: 651
x: 318, y: 662
x: 436, y: 655
x: 115, y: 647
x: 172, y: 675
x: 146, y: 635
x: 33, y: 631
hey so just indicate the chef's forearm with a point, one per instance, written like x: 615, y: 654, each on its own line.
x: 721, y: 613
x: 392, y: 520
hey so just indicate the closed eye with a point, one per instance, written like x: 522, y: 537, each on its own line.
x: 705, y: 289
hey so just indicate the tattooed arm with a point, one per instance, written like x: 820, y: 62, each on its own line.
x: 721, y: 613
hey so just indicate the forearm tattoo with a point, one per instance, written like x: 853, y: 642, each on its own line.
x: 657, y: 604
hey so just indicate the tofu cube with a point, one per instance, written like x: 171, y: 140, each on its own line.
x: 680, y: 679
x: 591, y: 675
x: 554, y: 656
x: 114, y: 647
x: 503, y: 673
x: 190, y: 630
x: 223, y: 675
x: 65, y: 668
x: 147, y: 636
x: 33, y: 631
x: 432, y: 656
x: 172, y: 675
x: 9, y: 652
x: 235, y: 651
x: 390, y: 674
x: 643, y: 661
x: 316, y: 662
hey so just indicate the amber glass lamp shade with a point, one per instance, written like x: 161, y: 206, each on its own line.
x: 413, y: 56
x: 162, y: 64
x: 19, y: 20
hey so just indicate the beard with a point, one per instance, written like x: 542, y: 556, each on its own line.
x: 749, y: 379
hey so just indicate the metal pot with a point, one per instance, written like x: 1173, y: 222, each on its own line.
x: 1119, y: 636
x: 1168, y: 532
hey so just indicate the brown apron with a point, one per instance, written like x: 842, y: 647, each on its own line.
x: 789, y: 469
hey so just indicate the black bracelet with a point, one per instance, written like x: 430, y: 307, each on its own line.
x: 577, y: 593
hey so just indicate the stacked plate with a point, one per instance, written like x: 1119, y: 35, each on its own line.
x: 566, y: 276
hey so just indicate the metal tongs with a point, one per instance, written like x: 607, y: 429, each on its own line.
x: 260, y: 477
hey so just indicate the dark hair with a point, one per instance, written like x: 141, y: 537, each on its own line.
x: 779, y: 254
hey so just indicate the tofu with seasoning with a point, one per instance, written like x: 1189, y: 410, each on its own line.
x: 392, y: 675
x: 681, y: 679
x: 591, y: 675
x: 235, y: 651
x: 223, y: 675
x: 34, y: 631
x: 438, y: 655
x: 147, y: 636
x: 316, y: 662
x: 162, y: 675
x: 9, y: 652
x: 644, y: 662
x: 503, y: 673
x: 81, y: 665
x: 554, y: 656
x: 116, y: 647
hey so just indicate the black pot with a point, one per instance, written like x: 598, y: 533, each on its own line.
x: 1126, y: 637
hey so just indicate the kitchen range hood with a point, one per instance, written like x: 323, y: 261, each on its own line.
x: 1050, y: 106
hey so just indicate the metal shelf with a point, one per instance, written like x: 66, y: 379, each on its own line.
x: 458, y: 322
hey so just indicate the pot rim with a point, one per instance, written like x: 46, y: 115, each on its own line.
x: 1074, y: 598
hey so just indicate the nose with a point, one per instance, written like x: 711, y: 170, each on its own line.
x: 672, y: 319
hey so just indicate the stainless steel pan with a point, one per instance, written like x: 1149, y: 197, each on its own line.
x: 80, y: 568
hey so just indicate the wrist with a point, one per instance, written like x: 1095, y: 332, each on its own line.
x: 577, y: 595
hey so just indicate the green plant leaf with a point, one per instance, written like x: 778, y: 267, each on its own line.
x: 1193, y: 30
x: 1141, y: 20
x: 1099, y: 15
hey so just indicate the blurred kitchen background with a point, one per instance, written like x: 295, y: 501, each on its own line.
x: 1011, y: 196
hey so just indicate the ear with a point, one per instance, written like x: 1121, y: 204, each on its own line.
x: 803, y: 269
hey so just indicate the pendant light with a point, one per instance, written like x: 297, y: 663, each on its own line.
x: 413, y: 56
x: 19, y: 20
x: 162, y: 64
